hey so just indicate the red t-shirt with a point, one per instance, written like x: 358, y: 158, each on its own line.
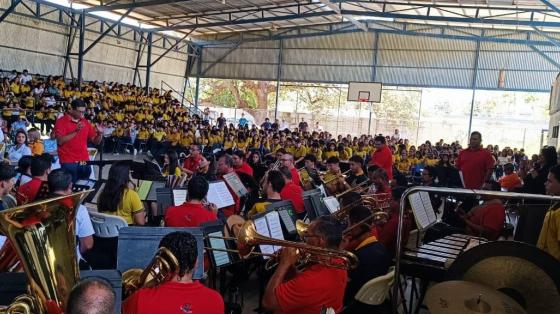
x: 491, y: 216
x: 192, y: 163
x: 245, y: 168
x: 76, y: 148
x: 27, y: 193
x: 384, y: 159
x: 387, y: 234
x: 295, y: 176
x: 173, y: 297
x: 188, y: 215
x: 308, y: 292
x: 474, y: 164
x: 294, y: 193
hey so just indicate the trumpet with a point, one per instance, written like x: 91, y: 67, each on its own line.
x: 248, y: 238
x: 334, y: 177
x: 377, y: 210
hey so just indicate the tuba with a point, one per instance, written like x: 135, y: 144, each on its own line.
x: 43, y: 235
x: 161, y: 269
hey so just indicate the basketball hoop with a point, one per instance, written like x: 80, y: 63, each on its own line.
x: 363, y: 99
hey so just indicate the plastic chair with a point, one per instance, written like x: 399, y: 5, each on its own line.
x: 376, y: 291
x: 106, y: 226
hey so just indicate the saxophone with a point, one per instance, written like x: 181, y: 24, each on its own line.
x: 43, y: 235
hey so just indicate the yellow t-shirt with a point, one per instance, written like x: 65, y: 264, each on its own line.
x: 129, y: 205
x: 158, y: 135
x: 37, y: 148
x: 177, y: 172
x: 329, y: 154
x: 549, y: 238
x: 258, y: 208
x: 143, y: 135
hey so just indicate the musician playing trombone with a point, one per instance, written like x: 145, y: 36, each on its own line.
x: 357, y: 175
x: 181, y: 294
x: 318, y: 286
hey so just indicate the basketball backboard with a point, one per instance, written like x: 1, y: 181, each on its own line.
x: 364, y: 91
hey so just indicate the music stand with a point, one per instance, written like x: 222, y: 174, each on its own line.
x: 287, y: 215
x: 164, y: 197
x: 314, y: 205
x: 137, y: 246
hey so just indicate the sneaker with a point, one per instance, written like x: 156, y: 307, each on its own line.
x: 135, y: 152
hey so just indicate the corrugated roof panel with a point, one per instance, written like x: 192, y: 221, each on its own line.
x: 326, y: 57
x: 426, y: 77
x: 392, y: 41
x: 359, y: 40
x: 517, y: 79
x: 325, y: 73
x: 441, y: 59
x: 240, y: 55
x: 528, y: 61
x: 242, y: 71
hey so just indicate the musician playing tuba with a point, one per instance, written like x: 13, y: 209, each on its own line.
x: 180, y: 294
x: 318, y: 286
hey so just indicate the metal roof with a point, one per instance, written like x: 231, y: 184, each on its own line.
x: 205, y: 17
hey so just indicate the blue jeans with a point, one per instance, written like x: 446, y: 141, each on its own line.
x: 77, y: 171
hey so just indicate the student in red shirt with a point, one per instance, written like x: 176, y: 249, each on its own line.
x: 193, y: 212
x: 191, y: 163
x: 382, y: 156
x: 387, y: 232
x: 181, y: 294
x: 510, y: 180
x: 315, y: 288
x: 292, y: 192
x: 239, y: 163
x: 486, y: 220
x: 72, y: 132
x: 223, y: 167
x: 40, y: 169
x: 475, y: 163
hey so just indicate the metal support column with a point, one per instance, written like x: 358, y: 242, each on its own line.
x: 198, y: 74
x: 475, y: 74
x: 373, y: 77
x: 81, y: 48
x: 149, y: 61
x: 71, y: 37
x: 278, y: 76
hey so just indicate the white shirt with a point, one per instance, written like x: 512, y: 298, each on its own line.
x: 25, y: 78
x: 84, y: 228
x: 2, y: 136
x: 284, y: 125
x: 15, y: 153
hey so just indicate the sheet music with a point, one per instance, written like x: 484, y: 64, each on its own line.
x: 220, y: 257
x: 144, y: 189
x: 179, y: 196
x: 332, y: 204
x: 262, y: 228
x: 275, y: 227
x: 287, y: 220
x: 235, y: 184
x: 88, y: 183
x: 2, y: 240
x: 428, y: 206
x: 219, y: 195
x: 420, y: 213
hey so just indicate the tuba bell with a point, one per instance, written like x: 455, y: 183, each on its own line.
x: 161, y: 269
x: 43, y: 235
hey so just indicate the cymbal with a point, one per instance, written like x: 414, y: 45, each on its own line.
x: 460, y: 297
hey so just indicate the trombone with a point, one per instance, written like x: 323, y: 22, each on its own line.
x: 248, y: 238
x: 358, y: 188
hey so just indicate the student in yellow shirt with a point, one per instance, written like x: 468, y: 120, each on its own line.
x: 141, y: 138
x: 549, y: 237
x: 119, y: 198
x: 242, y: 142
x: 403, y: 165
x: 35, y: 143
x: 229, y: 143
x: 156, y: 142
x: 171, y: 164
x: 331, y: 151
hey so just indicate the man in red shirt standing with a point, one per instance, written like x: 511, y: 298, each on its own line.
x: 191, y: 163
x: 382, y: 156
x: 239, y: 163
x: 288, y: 161
x: 193, y: 212
x: 40, y: 169
x: 292, y: 192
x: 475, y: 163
x: 315, y: 288
x: 72, y: 132
x: 181, y: 294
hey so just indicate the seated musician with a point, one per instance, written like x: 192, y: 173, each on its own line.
x: 60, y: 183
x: 191, y: 163
x: 373, y: 258
x: 380, y: 180
x: 239, y: 163
x: 272, y: 186
x: 40, y: 169
x: 171, y: 164
x: 357, y: 175
x: 292, y: 192
x: 429, y: 174
x: 181, y: 294
x: 311, y: 167
x: 225, y: 166
x: 119, y: 198
x: 549, y: 237
x: 387, y: 232
x: 193, y: 212
x: 7, y: 180
x: 315, y: 288
x: 287, y: 160
x: 334, y: 181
